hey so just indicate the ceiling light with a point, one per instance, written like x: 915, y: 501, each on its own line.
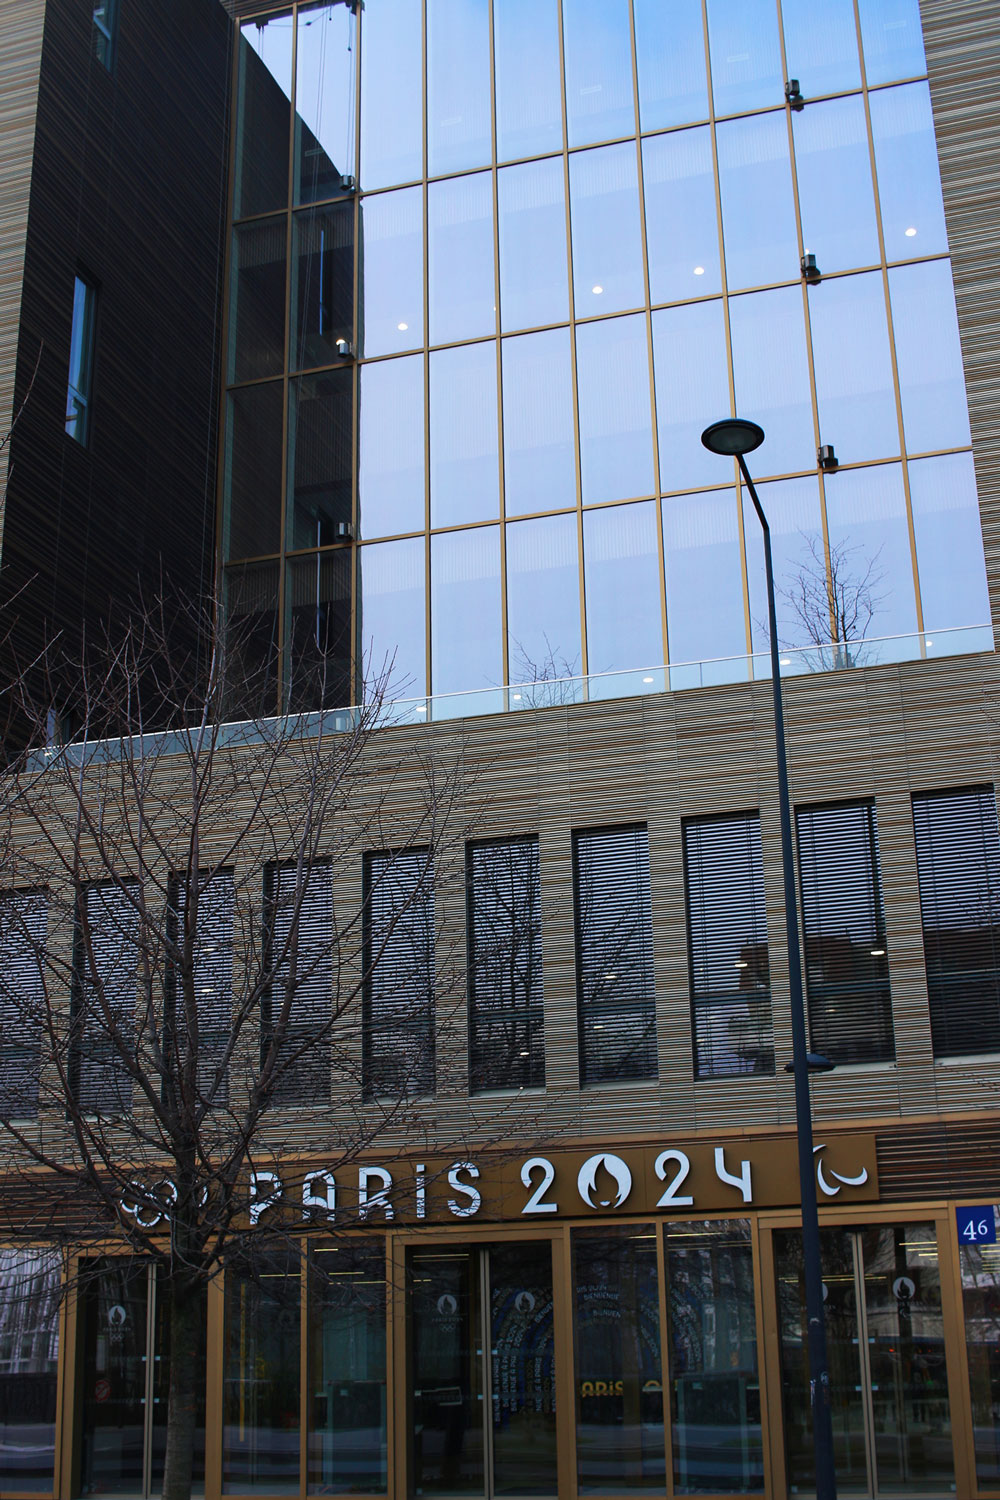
x: 402, y: 327
x: 878, y: 953
x: 928, y: 643
x: 516, y: 697
x: 647, y: 679
x: 524, y: 1054
x: 597, y: 290
x: 786, y: 661
x: 421, y: 708
x: 741, y: 963
x: 611, y: 976
x: 699, y: 270
x: 910, y: 232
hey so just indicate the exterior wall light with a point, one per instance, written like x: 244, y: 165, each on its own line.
x: 793, y: 94
x: 810, y: 270
x: 827, y: 458
x: 343, y: 348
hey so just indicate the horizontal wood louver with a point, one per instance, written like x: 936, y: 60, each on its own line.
x: 727, y: 946
x: 847, y: 971
x: 398, y: 1040
x: 506, y: 1031
x: 958, y: 865
x: 300, y: 998
x: 106, y: 975
x: 23, y: 926
x: 211, y: 946
x: 616, y: 994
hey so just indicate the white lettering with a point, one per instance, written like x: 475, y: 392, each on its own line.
x: 368, y: 1202
x: 319, y: 1195
x: 742, y: 1181
x: 475, y: 1197
x: 535, y: 1204
x: 671, y: 1197
x: 260, y: 1201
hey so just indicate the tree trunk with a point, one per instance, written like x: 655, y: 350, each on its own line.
x: 186, y: 1310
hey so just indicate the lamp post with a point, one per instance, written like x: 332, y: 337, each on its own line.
x: 734, y: 438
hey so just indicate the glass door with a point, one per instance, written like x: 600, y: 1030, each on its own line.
x: 885, y: 1338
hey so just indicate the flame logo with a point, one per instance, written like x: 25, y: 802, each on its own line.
x: 613, y: 1167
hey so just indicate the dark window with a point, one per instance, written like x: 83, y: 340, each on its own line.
x: 727, y: 946
x: 201, y: 982
x: 106, y: 975
x: 506, y: 1033
x: 958, y: 863
x: 300, y: 998
x: 614, y: 955
x: 847, y: 972
x: 106, y: 32
x: 398, y: 1041
x: 23, y: 923
x: 79, y: 392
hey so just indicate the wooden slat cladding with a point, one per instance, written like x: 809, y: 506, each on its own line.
x: 940, y: 1161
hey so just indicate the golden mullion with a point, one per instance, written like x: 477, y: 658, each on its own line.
x: 501, y: 469
x: 425, y: 356
x: 284, y: 643
x: 69, y: 1409
x: 768, y: 1358
x: 956, y: 1353
x: 227, y: 330
x: 664, y: 1313
x: 399, y: 1407
x: 567, y: 1384
x: 214, y: 1372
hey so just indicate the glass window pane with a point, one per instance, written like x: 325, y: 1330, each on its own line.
x: 543, y: 599
x: 461, y: 293
x: 260, y: 1434
x: 263, y: 116
x: 836, y: 198
x: 458, y: 85
x: 346, y: 1353
x: 538, y: 440
x: 534, y: 285
x: 758, y: 210
x: 704, y: 562
x: 257, y: 300
x: 854, y: 388
x: 250, y: 600
x: 929, y: 356
x: 870, y: 543
x: 692, y: 381
x: 821, y: 45
x: 29, y: 1328
x: 670, y: 54
x: 318, y: 605
x: 598, y: 70
x: 324, y: 100
x: 607, y: 243
x: 398, y: 1056
x: 892, y: 38
x: 909, y: 183
x: 980, y: 1284
x: 320, y: 457
x: 616, y: 437
x: 529, y: 89
x: 252, y: 516
x: 391, y: 468
x: 392, y: 591
x: 392, y: 105
x: 322, y: 284
x: 622, y: 582
x: 465, y: 469
x: 506, y: 997
x: 682, y: 225
x: 746, y: 56
x: 391, y: 272
x: 949, y: 537
x: 465, y: 610
x: 793, y: 515
x: 772, y: 377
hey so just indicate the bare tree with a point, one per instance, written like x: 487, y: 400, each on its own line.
x: 834, y: 606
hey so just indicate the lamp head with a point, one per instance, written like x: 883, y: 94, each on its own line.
x: 732, y: 436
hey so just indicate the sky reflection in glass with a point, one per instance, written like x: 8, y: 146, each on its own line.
x: 393, y: 620
x: 758, y: 209
x: 622, y: 583
x: 599, y: 101
x: 947, y: 527
x: 528, y: 85
x: 670, y: 56
x: 793, y: 516
x: 616, y: 436
x: 771, y: 372
x: 703, y: 560
x: 682, y: 224
x: 909, y: 183
x: 607, y: 238
x: 929, y: 356
x: 746, y: 55
x: 543, y: 599
x: 461, y: 290
x: 458, y: 85
x: 465, y: 610
x: 539, y: 448
x: 465, y: 483
x: 261, y: 177
x: 534, y: 285
x: 324, y: 101
x: 391, y: 438
x: 392, y: 107
x: 391, y: 273
x: 692, y: 389
x: 892, y: 39
x: 821, y: 45
x: 836, y: 198
x: 866, y: 516
x: 853, y: 365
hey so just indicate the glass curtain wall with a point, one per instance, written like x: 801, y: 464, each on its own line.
x: 503, y: 293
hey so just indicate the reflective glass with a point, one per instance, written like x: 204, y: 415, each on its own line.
x: 892, y: 39
x: 598, y: 49
x: 252, y: 515
x: 465, y: 469
x: 322, y: 283
x: 758, y: 209
x: 821, y: 45
x: 746, y: 55
x: 251, y: 609
x: 391, y: 281
x: 458, y: 85
x: 692, y: 389
x: 260, y: 1436
x: 980, y: 1295
x: 392, y: 625
x: 346, y: 1360
x: 392, y: 104
x: 543, y: 599
x: 324, y: 100
x: 257, y: 300
x: 534, y: 285
x: 318, y: 633
x: 622, y: 587
x: 263, y: 115
x: 465, y: 610
x: 870, y: 543
x: 538, y: 441
x: 391, y: 466
x: 949, y: 537
x: 929, y: 356
x: 853, y: 366
x: 704, y: 568
x: 616, y: 437
x: 607, y: 238
x: 670, y: 56
x: 793, y: 516
x: 836, y: 198
x: 909, y: 184
x: 320, y: 456
x: 29, y: 1328
x: 461, y: 294
x: 682, y: 223
x: 529, y: 89
x: 771, y: 372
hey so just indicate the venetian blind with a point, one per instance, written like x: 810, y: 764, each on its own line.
x: 105, y: 996
x: 398, y: 1039
x: 300, y: 930
x: 23, y: 924
x: 506, y: 1035
x: 213, y: 984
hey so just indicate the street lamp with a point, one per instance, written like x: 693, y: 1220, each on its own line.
x: 733, y: 438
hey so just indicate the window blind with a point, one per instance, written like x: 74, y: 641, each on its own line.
x: 105, y: 971
x: 23, y: 925
x: 398, y: 1031
x: 300, y: 934
x: 213, y: 982
x: 506, y: 1033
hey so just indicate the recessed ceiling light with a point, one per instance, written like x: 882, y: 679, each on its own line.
x: 699, y: 270
x: 402, y: 327
x: 647, y: 679
x: 878, y: 953
x: 516, y: 697
x: 928, y: 643
x: 786, y: 661
x: 597, y: 290
x: 910, y: 232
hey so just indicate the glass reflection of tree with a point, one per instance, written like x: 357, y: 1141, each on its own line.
x: 505, y: 924
x: 546, y: 681
x: 833, y: 600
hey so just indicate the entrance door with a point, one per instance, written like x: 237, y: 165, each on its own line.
x: 482, y: 1371
x: 885, y: 1344
x: 125, y: 1380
